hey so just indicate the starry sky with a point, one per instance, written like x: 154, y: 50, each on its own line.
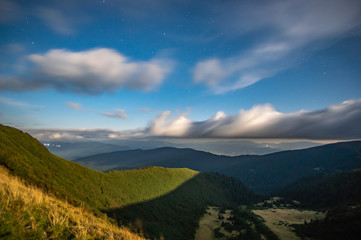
x: 107, y: 69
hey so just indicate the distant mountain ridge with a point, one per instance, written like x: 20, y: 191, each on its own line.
x: 263, y: 174
x: 74, y: 150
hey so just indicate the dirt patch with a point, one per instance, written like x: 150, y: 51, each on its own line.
x: 279, y: 220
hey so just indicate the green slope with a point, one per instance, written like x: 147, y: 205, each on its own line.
x: 337, y: 193
x: 115, y: 192
x: 325, y: 190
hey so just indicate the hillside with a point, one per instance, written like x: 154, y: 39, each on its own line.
x: 263, y: 174
x: 325, y: 190
x: 150, y: 199
x: 343, y: 222
x: 29, y: 213
x: 338, y: 194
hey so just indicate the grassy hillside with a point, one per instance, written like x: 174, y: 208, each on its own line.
x: 29, y: 213
x: 176, y: 192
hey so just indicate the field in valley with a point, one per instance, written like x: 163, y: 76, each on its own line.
x: 210, y: 221
x: 279, y: 220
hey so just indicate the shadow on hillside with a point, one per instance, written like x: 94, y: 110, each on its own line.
x: 176, y: 214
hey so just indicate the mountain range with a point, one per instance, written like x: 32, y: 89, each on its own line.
x: 71, y: 150
x: 262, y: 173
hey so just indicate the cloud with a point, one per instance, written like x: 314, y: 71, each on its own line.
x: 336, y: 122
x: 91, y: 72
x: 56, y: 20
x: 83, y: 134
x: 339, y: 121
x: 74, y: 105
x: 13, y: 103
x: 119, y: 113
x: 291, y: 26
x: 19, y: 104
x: 162, y: 126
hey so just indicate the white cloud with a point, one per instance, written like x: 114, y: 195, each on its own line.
x: 74, y: 105
x: 119, y: 113
x: 290, y: 26
x: 84, y: 134
x: 93, y: 71
x: 336, y: 122
x: 162, y: 126
x: 339, y: 121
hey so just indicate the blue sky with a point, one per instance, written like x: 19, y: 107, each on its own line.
x: 181, y: 68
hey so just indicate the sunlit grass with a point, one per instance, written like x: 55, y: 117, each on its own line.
x: 27, y: 212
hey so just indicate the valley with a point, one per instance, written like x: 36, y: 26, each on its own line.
x: 211, y: 221
x: 180, y: 120
x: 280, y: 220
x: 157, y: 202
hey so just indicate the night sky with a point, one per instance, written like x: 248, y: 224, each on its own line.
x: 108, y: 69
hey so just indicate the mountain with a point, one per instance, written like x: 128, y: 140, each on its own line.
x: 325, y: 190
x: 73, y: 150
x: 165, y: 157
x: 263, y: 174
x: 339, y: 194
x: 341, y: 222
x: 157, y: 201
x: 267, y: 173
x: 242, y: 147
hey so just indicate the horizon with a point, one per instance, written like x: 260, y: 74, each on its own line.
x: 182, y: 71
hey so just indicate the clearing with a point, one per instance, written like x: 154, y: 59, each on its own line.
x: 280, y: 219
x: 210, y: 221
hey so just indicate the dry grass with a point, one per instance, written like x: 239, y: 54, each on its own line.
x: 279, y: 220
x: 27, y: 212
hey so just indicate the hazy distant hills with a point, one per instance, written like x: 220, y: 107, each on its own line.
x: 264, y: 174
x: 71, y: 151
x: 78, y: 149
x: 165, y: 157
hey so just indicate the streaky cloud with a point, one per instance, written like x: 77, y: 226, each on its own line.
x: 118, y: 113
x: 91, y: 72
x: 292, y: 27
x: 74, y: 105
